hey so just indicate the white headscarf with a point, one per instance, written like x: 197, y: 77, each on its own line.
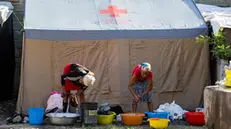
x: 88, y: 80
x: 146, y: 67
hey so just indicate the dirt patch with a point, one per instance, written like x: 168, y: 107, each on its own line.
x: 7, y: 108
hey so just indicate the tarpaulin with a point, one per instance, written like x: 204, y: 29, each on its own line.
x: 112, y: 19
x: 180, y: 69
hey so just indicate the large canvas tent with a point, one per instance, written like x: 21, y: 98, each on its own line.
x: 110, y: 37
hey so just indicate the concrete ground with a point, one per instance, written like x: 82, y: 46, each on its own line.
x: 117, y: 125
x: 7, y: 108
x: 25, y: 126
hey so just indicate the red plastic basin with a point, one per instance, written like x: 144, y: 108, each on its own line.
x: 195, y: 118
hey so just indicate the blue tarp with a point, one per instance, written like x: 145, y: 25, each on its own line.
x: 112, y: 19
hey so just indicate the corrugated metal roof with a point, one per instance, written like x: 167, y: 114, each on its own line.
x: 80, y: 17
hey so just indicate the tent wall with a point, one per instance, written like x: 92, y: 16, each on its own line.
x: 180, y: 69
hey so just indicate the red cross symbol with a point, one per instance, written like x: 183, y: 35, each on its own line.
x: 113, y: 11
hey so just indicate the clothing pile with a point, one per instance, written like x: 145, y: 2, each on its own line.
x: 55, y: 100
x: 175, y: 110
x: 104, y: 109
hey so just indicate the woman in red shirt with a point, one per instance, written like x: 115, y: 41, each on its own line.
x: 140, y: 85
x: 72, y: 81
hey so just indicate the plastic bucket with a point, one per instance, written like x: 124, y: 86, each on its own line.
x: 132, y: 118
x: 195, y: 118
x: 106, y: 119
x: 163, y: 115
x: 158, y: 123
x: 228, y: 77
x: 36, y: 116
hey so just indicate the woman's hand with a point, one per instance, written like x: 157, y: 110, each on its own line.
x: 140, y: 96
x: 64, y: 93
x: 136, y: 98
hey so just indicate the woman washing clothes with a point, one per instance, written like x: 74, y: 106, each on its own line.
x: 75, y: 79
x: 140, y: 85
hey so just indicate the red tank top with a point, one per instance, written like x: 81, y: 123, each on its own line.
x: 68, y: 84
x: 137, y: 72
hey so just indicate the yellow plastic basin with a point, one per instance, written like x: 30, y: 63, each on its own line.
x: 106, y: 119
x: 158, y: 123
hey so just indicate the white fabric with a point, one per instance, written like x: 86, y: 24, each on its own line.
x: 55, y: 100
x: 218, y: 16
x: 88, y: 80
x: 145, y: 66
x: 73, y: 78
x: 174, y: 109
x: 6, y: 9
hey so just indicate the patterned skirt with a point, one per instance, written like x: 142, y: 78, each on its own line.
x: 139, y: 88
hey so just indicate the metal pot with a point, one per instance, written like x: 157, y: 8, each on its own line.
x: 62, y: 118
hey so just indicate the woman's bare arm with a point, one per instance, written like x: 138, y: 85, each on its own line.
x: 131, y: 82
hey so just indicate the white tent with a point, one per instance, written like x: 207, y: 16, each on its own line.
x: 218, y: 17
x: 110, y: 37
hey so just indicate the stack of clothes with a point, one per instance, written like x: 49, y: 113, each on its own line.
x: 104, y: 109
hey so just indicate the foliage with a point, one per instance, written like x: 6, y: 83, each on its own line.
x: 220, y: 44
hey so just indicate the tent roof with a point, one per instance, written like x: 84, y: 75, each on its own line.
x: 110, y: 19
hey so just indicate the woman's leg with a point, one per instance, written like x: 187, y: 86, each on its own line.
x: 148, y: 97
x: 149, y: 101
x: 134, y: 106
x: 65, y: 100
x: 137, y: 88
x: 150, y: 106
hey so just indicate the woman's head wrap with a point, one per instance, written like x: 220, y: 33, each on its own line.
x: 146, y: 67
x: 88, y: 80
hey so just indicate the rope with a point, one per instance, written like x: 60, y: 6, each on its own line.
x: 18, y: 19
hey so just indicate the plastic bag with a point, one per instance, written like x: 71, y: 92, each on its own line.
x: 55, y: 100
x: 175, y: 110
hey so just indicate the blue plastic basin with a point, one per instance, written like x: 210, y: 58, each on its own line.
x: 36, y: 116
x: 164, y: 115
